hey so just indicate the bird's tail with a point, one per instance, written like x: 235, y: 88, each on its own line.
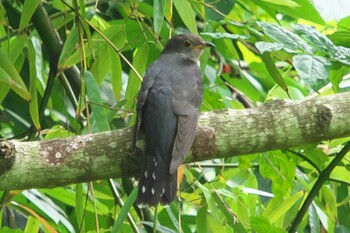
x: 156, y: 185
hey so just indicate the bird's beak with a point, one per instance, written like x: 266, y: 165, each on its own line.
x: 209, y: 44
x: 206, y: 44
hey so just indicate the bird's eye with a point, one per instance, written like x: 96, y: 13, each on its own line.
x: 188, y: 43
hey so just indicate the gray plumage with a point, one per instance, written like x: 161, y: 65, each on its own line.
x: 167, y: 113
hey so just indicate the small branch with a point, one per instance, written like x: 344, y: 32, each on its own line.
x: 226, y: 133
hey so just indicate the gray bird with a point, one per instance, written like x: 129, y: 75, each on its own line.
x: 167, y: 113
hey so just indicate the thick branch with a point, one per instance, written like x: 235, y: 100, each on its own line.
x: 277, y: 125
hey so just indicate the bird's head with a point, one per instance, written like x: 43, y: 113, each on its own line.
x: 189, y: 46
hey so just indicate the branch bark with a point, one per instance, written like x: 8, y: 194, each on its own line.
x: 226, y: 133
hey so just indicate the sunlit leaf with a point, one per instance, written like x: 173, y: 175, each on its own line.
x: 314, y: 70
x: 224, y: 35
x: 341, y: 174
x: 306, y: 10
x: 315, y: 38
x: 57, y: 131
x: 288, y: 3
x: 32, y: 225
x: 261, y: 225
x: 291, y: 41
x: 268, y: 46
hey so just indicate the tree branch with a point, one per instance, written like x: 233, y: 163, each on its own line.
x: 226, y: 133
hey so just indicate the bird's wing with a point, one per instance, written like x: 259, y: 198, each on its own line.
x: 147, y: 83
x: 186, y: 129
x: 187, y: 88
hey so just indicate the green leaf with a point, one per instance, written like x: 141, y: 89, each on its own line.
x: 314, y: 70
x: 158, y: 15
x: 4, y: 90
x: 102, y: 65
x: 225, y: 46
x: 318, y: 157
x: 274, y: 212
x: 329, y: 202
x: 116, y: 73
x: 32, y: 225
x: 280, y: 168
x: 342, y: 54
x: 79, y: 206
x: 7, y: 80
x: 33, y: 105
x: 341, y: 38
x: 279, y: 93
x: 262, y: 225
x: 67, y: 196
x: 99, y: 112
x: 57, y: 131
x: 291, y: 41
x: 315, y: 38
x: 69, y: 47
x: 113, y: 33
x: 186, y: 13
x: 306, y: 10
x: 341, y: 174
x: 214, y: 223
x: 125, y: 211
x: 10, y: 230
x: 274, y: 72
x: 50, y: 209
x: 201, y: 220
x: 10, y: 76
x: 224, y: 208
x: 2, y: 18
x: 15, y: 47
x: 218, y: 9
x: 28, y: 10
x: 268, y: 46
x: 224, y: 35
x: 288, y: 3
x: 139, y: 62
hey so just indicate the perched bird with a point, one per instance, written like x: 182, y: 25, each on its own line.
x: 167, y: 113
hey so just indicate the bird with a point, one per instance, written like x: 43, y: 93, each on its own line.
x: 168, y: 107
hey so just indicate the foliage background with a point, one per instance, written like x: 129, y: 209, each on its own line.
x: 265, y: 50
